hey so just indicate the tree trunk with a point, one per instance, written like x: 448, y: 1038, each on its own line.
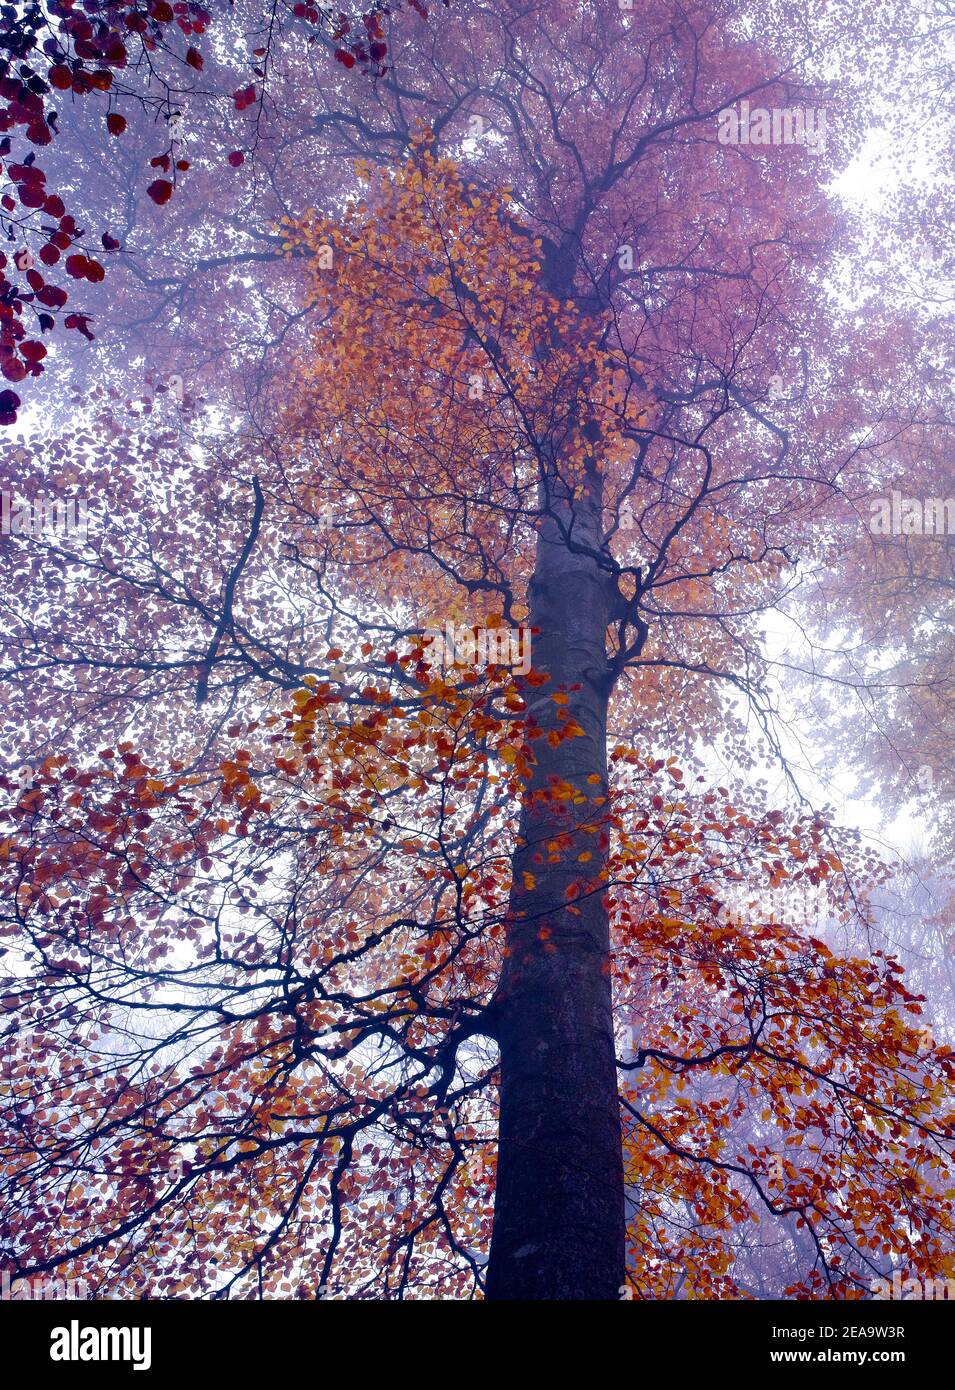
x: 559, y: 1206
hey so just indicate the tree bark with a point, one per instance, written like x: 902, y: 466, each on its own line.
x: 559, y: 1207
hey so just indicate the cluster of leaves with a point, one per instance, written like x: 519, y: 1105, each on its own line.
x: 464, y: 429
x: 777, y: 1087
x: 76, y: 49
x: 259, y: 1011
x: 335, y: 1009
x: 107, y: 49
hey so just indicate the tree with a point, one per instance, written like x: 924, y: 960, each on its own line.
x: 540, y: 392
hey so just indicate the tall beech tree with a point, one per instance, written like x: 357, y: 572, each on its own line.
x: 342, y: 942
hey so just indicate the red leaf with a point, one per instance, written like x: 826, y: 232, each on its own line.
x: 52, y: 296
x: 115, y: 123
x: 236, y: 158
x: 9, y: 401
x: 79, y: 322
x: 345, y: 58
x: 244, y: 97
x: 160, y: 190
x: 194, y: 59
